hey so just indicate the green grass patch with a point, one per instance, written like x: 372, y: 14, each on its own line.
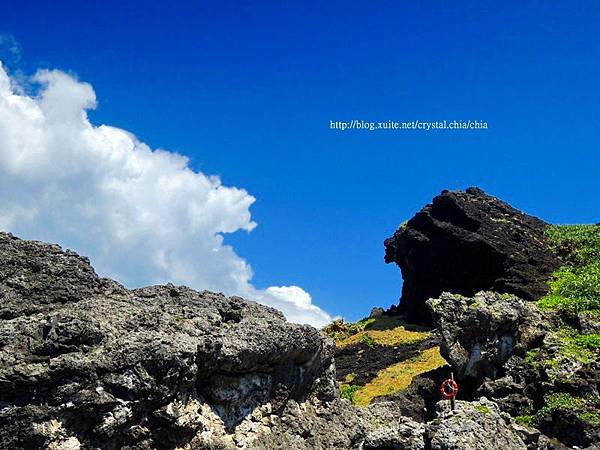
x: 483, y: 409
x: 383, y: 330
x: 526, y: 420
x: 572, y: 345
x: 583, y: 407
x: 531, y: 357
x: 398, y: 376
x: 575, y: 287
x: 367, y: 339
x: 348, y: 391
x: 340, y: 330
x: 577, y: 245
x: 574, y: 292
x: 588, y: 341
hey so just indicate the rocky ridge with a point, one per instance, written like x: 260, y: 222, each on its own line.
x: 88, y: 364
x: 84, y: 358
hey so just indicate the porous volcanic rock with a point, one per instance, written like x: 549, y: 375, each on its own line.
x: 472, y: 426
x: 86, y: 363
x: 466, y: 242
x: 338, y: 426
x: 504, y: 348
x: 479, y: 334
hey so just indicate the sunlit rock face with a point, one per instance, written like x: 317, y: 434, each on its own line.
x: 84, y: 360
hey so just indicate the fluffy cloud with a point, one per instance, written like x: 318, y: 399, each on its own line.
x: 142, y: 215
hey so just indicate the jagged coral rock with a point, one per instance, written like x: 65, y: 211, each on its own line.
x: 480, y: 333
x: 472, y: 426
x: 502, y: 347
x: 115, y: 367
x: 86, y: 363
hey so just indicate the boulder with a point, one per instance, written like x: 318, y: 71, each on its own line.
x: 479, y: 334
x: 376, y: 312
x: 466, y: 242
x: 472, y: 426
x: 338, y: 425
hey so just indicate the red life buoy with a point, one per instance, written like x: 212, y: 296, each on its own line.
x: 449, y: 388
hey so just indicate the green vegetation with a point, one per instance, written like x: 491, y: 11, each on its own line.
x: 367, y: 339
x: 339, y: 330
x: 531, y: 357
x: 474, y: 305
x: 577, y: 245
x: 483, y: 409
x: 572, y: 345
x: 588, y: 341
x: 583, y: 407
x: 575, y: 287
x: 435, y: 303
x: 348, y: 391
x: 527, y: 420
x: 391, y: 337
x: 383, y: 330
x: 349, y: 378
x: 574, y: 292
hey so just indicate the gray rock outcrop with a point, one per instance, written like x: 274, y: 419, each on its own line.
x: 480, y: 333
x: 86, y: 364
x: 84, y: 359
x: 472, y: 426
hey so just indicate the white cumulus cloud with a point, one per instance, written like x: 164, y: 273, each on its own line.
x: 141, y: 214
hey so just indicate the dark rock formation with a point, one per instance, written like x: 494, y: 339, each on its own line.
x: 365, y: 361
x: 88, y: 364
x: 466, y: 242
x: 418, y: 400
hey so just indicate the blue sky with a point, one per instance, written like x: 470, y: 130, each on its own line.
x: 246, y: 90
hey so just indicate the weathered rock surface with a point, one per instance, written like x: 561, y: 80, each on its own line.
x: 88, y: 364
x: 472, y: 426
x: 479, y: 334
x: 83, y: 359
x: 338, y: 425
x: 501, y: 347
x: 560, y: 391
x: 466, y: 242
x: 364, y: 361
